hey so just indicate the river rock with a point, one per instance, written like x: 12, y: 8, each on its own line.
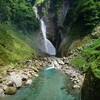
x: 9, y: 83
x: 24, y: 77
x: 4, y: 87
x: 35, y: 69
x: 29, y: 75
x: 28, y: 62
x: 1, y: 91
x: 60, y: 62
x: 17, y: 80
x: 28, y: 82
x: 12, y: 73
x: 76, y: 86
x: 56, y: 64
x: 10, y: 90
x: 36, y: 75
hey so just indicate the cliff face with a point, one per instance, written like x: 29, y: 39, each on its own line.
x: 62, y: 29
x: 53, y: 12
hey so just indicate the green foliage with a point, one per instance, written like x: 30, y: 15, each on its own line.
x: 19, y: 13
x: 90, y: 57
x: 37, y: 2
x: 90, y: 13
x: 80, y: 62
x: 86, y: 13
x: 4, y: 11
x: 12, y: 49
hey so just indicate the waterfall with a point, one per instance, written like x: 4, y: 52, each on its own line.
x: 44, y: 44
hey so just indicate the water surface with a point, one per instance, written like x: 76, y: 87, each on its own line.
x: 50, y: 85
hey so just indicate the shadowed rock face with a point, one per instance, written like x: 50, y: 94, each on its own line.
x: 51, y: 26
x: 54, y: 15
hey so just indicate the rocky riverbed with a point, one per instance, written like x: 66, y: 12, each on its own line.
x: 15, y: 78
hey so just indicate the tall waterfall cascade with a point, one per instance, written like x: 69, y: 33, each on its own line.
x: 44, y: 44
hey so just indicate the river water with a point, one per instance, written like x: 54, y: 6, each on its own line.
x: 50, y: 85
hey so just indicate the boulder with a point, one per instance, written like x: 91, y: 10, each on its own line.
x: 10, y: 90
x: 60, y: 62
x: 28, y: 82
x: 17, y: 80
x: 56, y: 64
x: 76, y: 86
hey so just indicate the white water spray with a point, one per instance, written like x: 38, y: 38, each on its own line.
x: 51, y: 66
x: 44, y: 44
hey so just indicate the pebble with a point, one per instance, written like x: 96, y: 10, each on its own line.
x: 76, y: 86
x: 28, y: 82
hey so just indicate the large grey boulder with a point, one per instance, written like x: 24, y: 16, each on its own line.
x: 16, y: 80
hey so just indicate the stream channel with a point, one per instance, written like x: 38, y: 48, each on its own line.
x: 51, y: 84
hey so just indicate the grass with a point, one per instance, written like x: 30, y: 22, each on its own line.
x: 89, y: 57
x: 13, y: 49
x: 39, y: 2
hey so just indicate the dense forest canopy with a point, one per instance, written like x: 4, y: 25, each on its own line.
x: 19, y: 13
x: 85, y: 13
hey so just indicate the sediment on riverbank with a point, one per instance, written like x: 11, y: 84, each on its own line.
x: 15, y: 78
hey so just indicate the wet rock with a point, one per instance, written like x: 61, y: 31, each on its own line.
x: 56, y: 64
x: 35, y: 69
x: 28, y: 82
x: 17, y: 80
x: 10, y: 90
x: 60, y: 62
x: 29, y: 75
x: 36, y: 75
x: 66, y: 61
x: 76, y: 86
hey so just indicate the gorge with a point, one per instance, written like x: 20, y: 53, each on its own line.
x: 52, y: 48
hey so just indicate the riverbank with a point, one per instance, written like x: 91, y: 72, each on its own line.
x: 15, y: 78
